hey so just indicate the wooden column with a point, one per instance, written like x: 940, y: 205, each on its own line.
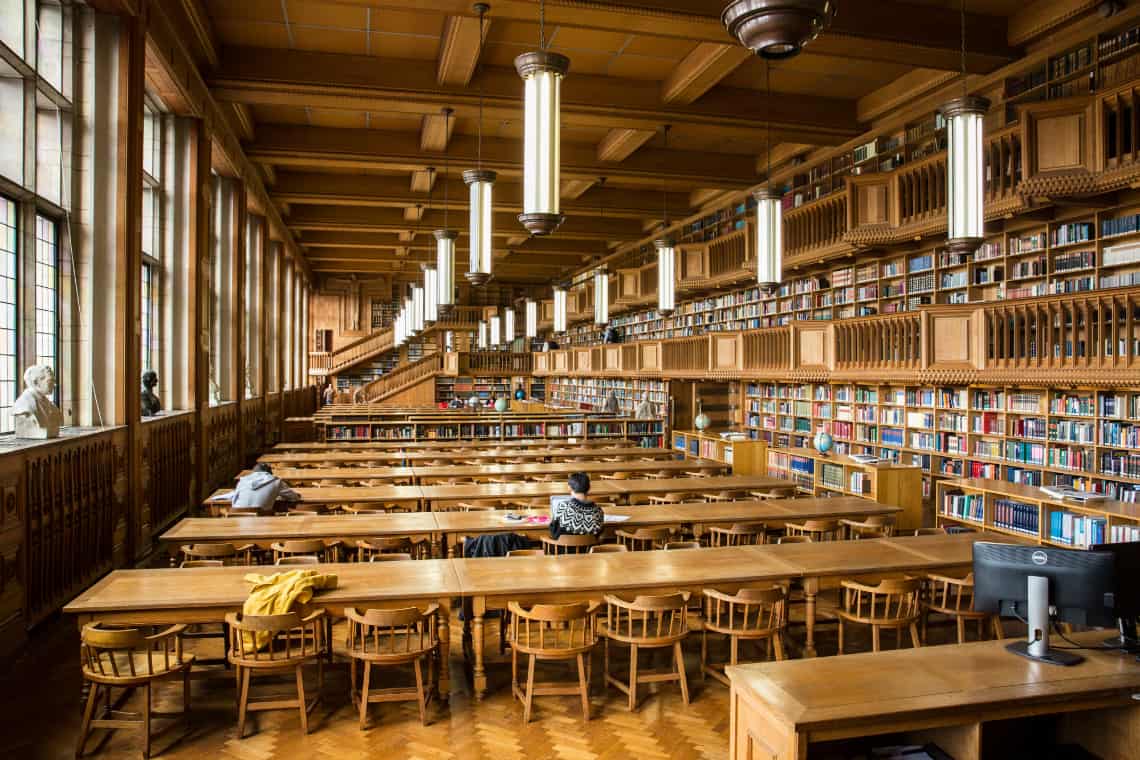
x: 201, y: 197
x: 237, y: 313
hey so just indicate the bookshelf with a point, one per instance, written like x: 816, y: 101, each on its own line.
x: 591, y: 393
x: 837, y: 474
x: 552, y: 426
x: 1029, y: 512
x: 746, y: 456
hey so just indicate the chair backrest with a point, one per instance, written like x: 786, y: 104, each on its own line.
x: 394, y: 557
x: 383, y: 544
x: 892, y: 600
x: 391, y: 634
x: 273, y: 638
x: 623, y: 475
x: 568, y: 544
x: 754, y: 611
x: 740, y: 534
x: 210, y: 551
x: 675, y: 545
x: 314, y: 547
x: 298, y: 559
x: 946, y: 593
x: 113, y: 653
x: 607, y: 548
x: 648, y: 620
x: 795, y: 540
x: 202, y: 563
x: 819, y: 530
x: 525, y: 553
x: 930, y: 531
x: 644, y: 539
x: 553, y: 628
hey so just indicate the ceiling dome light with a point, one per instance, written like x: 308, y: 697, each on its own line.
x: 777, y: 29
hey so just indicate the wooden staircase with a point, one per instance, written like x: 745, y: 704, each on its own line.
x: 404, y: 378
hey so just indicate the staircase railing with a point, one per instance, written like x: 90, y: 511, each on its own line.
x: 403, y: 376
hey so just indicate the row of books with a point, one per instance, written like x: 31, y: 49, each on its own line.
x: 1016, y: 516
x: 1077, y: 530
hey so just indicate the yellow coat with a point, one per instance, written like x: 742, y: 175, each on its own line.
x: 279, y: 593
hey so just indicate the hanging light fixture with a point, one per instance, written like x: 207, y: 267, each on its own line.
x: 531, y: 318
x: 769, y: 213
x: 601, y: 297
x: 431, y: 293
x: 559, y: 308
x: 418, y: 305
x: 508, y: 325
x: 965, y: 178
x: 409, y: 316
x: 542, y: 73
x: 481, y: 183
x: 666, y: 253
x: 398, y: 329
x: 496, y: 338
x: 482, y: 335
x: 777, y: 29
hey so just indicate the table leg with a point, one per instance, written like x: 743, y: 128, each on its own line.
x: 811, y: 588
x: 479, y: 674
x: 437, y: 545
x: 444, y: 629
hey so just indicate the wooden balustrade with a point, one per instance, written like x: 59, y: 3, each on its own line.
x: 320, y: 362
x: 1003, y: 165
x: 767, y: 349
x: 685, y: 355
x: 223, y: 435
x: 921, y: 191
x: 300, y: 402
x: 377, y: 342
x: 168, y: 457
x: 499, y: 363
x: 890, y: 342
x: 402, y: 376
x: 815, y: 225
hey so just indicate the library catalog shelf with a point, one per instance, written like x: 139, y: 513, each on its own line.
x: 746, y: 456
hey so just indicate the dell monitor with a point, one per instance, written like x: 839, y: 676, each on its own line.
x: 1126, y: 595
x: 1042, y: 585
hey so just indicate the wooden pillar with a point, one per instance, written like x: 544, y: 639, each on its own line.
x: 198, y: 368
x: 128, y: 264
x: 237, y: 314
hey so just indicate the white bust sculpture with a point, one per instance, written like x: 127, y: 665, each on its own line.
x: 34, y: 413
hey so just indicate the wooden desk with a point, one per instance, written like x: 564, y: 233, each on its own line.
x: 411, y: 458
x: 691, y: 485
x: 446, y: 444
x: 945, y: 694
x: 333, y: 495
x: 205, y: 595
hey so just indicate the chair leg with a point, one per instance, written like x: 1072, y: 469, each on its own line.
x: 679, y: 659
x: 146, y: 718
x: 605, y: 664
x: 840, y: 636
x: 583, y: 686
x: 914, y: 636
x: 367, y: 666
x: 301, y: 700
x: 875, y: 638
x: 778, y: 644
x: 243, y: 699
x: 529, y: 689
x: 925, y: 620
x: 421, y: 702
x: 733, y: 649
x: 960, y: 625
x: 999, y: 632
x: 632, y: 677
x: 704, y: 653
x: 88, y: 711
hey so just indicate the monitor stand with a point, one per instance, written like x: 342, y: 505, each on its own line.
x: 1127, y: 641
x: 1036, y: 646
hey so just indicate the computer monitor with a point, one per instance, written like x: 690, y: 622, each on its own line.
x: 1042, y: 585
x: 1126, y: 594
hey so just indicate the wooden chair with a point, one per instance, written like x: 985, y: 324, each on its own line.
x: 740, y: 534
x: 126, y: 658
x: 875, y: 526
x: 389, y: 557
x: 299, y: 559
x: 727, y: 495
x: 752, y: 614
x: 568, y: 544
x: 795, y: 540
x: 227, y: 554
x: 607, y: 548
x: 528, y: 552
x: 668, y: 498
x: 314, y: 547
x: 644, y: 539
x: 291, y: 642
x: 388, y: 638
x: 954, y: 597
x: 675, y: 545
x: 778, y: 492
x: 939, y: 531
x: 552, y: 632
x: 648, y: 622
x: 893, y: 603
x: 817, y: 530
x: 202, y: 563
x: 366, y: 548
x: 623, y: 475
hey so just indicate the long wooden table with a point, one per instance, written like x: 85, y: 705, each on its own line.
x: 443, y: 444
x: 417, y: 473
x: 443, y: 528
x: 952, y: 695
x: 411, y: 458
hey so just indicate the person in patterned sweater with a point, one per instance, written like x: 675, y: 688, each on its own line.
x: 577, y: 515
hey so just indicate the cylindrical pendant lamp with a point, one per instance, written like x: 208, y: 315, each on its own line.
x: 531, y: 318
x: 445, y: 266
x: 769, y: 238
x: 965, y: 173
x: 542, y: 73
x: 666, y: 275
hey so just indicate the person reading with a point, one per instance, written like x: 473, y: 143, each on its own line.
x: 260, y: 490
x: 578, y: 515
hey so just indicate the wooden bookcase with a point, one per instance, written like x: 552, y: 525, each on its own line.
x: 837, y: 474
x: 1029, y: 512
x: 485, y: 425
x: 747, y: 457
x: 591, y: 393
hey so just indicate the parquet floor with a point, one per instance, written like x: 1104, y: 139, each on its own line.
x: 41, y: 711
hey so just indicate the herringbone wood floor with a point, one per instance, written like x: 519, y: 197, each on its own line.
x: 41, y: 698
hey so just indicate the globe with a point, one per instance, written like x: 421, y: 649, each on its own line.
x: 823, y: 442
x: 702, y: 421
x: 473, y: 402
x: 501, y: 404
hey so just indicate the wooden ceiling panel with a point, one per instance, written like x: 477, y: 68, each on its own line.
x: 253, y: 33
x: 247, y: 10
x: 659, y: 47
x: 270, y: 114
x: 513, y: 32
x: 586, y: 61
x: 640, y: 67
x: 398, y: 122
x: 320, y: 117
x: 401, y: 21
x: 593, y: 40
x: 420, y: 48
x: 324, y: 40
x: 315, y: 13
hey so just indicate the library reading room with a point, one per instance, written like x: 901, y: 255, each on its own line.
x: 570, y: 379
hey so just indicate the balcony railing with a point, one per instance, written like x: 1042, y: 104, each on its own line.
x: 403, y: 376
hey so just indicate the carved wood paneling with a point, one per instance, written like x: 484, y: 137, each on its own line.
x: 167, y: 473
x: 224, y: 456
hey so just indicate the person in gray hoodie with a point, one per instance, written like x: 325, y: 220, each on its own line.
x: 260, y: 490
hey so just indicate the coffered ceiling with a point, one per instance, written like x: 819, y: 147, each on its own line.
x: 340, y: 103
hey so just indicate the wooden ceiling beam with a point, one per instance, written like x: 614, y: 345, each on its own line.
x: 567, y: 250
x: 700, y: 70
x: 374, y: 190
x: 422, y: 180
x: 574, y: 188
x: 358, y: 255
x: 459, y: 50
x: 372, y: 149
x: 435, y: 132
x: 619, y: 144
x: 297, y: 78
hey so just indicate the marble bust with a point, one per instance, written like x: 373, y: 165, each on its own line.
x: 151, y: 403
x: 34, y: 413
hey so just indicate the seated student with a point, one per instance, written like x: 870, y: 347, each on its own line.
x: 260, y: 490
x: 577, y: 516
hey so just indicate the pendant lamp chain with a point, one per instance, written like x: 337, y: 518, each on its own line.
x: 963, y: 14
x: 664, y: 184
x: 541, y: 25
x: 446, y: 123
x: 768, y: 122
x: 482, y: 8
